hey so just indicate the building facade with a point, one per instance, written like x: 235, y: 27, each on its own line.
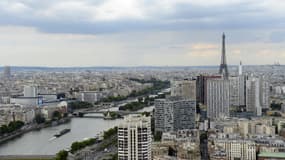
x: 201, y: 87
x: 264, y: 93
x: 134, y: 138
x: 237, y: 149
x: 218, y: 98
x: 253, y: 96
x: 184, y: 88
x: 234, y: 91
x: 30, y: 91
x: 174, y: 114
x: 91, y: 96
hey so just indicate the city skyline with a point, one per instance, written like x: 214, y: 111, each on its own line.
x: 140, y: 33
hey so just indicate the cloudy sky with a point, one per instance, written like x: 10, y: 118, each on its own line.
x: 140, y: 32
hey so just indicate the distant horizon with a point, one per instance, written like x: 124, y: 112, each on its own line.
x: 138, y: 66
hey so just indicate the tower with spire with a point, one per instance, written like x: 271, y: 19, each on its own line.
x: 223, y: 67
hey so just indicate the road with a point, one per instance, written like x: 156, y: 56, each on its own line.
x: 204, y: 149
x: 96, y: 152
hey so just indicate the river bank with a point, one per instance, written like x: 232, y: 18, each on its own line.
x: 43, y: 142
x: 28, y: 157
x: 29, y: 128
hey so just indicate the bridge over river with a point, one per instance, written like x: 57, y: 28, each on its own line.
x: 100, y: 114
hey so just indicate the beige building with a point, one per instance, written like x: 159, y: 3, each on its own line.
x: 184, y: 88
x: 235, y: 149
x: 48, y: 109
x: 185, y: 144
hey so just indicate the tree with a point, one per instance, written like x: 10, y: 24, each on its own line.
x: 140, y: 99
x: 56, y: 115
x: 157, y: 136
x: 275, y: 106
x: 79, y: 105
x: 39, y: 118
x: 203, y: 136
x: 65, y: 115
x: 4, y: 129
x: 110, y: 132
x: 114, y: 157
x: 61, y: 155
x: 11, y: 127
x: 75, y: 146
x: 147, y: 114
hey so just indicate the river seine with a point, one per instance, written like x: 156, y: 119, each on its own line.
x: 42, y: 142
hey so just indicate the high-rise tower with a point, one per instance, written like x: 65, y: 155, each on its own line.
x: 240, y: 69
x: 134, y: 138
x: 7, y: 72
x: 223, y: 67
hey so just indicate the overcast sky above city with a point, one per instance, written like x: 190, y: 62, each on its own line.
x: 140, y: 32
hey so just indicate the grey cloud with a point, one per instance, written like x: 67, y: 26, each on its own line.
x: 186, y: 16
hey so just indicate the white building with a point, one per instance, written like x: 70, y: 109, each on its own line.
x: 264, y: 93
x: 26, y: 101
x: 30, y: 91
x: 240, y: 69
x: 48, y: 97
x: 91, y: 96
x: 253, y: 96
x: 184, y: 88
x: 218, y: 98
x: 134, y: 138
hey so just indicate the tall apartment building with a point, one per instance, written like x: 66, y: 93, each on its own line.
x: 264, y: 93
x: 184, y: 88
x: 240, y: 69
x: 253, y: 96
x: 174, y: 114
x: 7, y: 72
x: 218, y: 98
x: 234, y: 91
x: 201, y: 87
x: 241, y: 86
x: 164, y: 117
x: 242, y: 90
x: 237, y: 90
x: 134, y: 138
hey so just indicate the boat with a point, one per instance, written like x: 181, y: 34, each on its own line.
x: 62, y: 132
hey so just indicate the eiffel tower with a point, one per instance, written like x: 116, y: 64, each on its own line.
x: 223, y: 67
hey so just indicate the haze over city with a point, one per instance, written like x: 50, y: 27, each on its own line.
x: 140, y: 33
